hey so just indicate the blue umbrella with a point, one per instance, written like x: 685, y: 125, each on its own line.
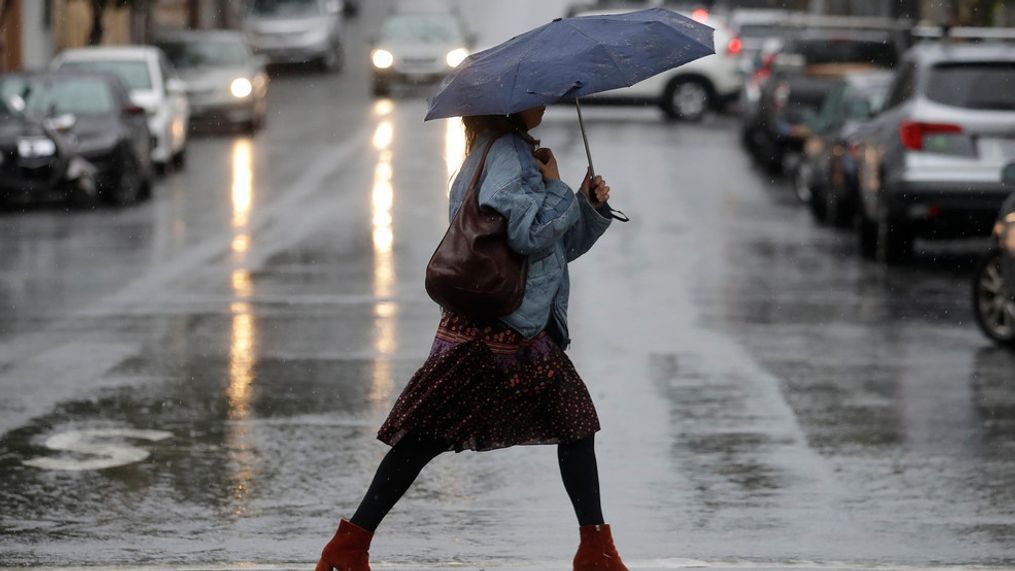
x: 568, y: 59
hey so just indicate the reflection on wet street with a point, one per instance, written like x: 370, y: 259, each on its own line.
x: 766, y: 395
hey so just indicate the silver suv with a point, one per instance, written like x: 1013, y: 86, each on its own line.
x: 296, y: 31
x: 931, y: 160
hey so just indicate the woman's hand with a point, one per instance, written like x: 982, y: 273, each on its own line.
x: 600, y: 191
x: 547, y: 164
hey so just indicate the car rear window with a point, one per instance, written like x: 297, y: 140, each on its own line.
x: 134, y: 73
x: 831, y: 51
x: 986, y: 85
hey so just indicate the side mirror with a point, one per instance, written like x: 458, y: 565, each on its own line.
x: 1008, y: 175
x: 133, y: 111
x: 15, y: 102
x: 176, y: 86
x: 62, y: 123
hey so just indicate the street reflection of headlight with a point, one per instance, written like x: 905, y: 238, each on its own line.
x: 383, y: 59
x: 36, y: 147
x: 241, y: 87
x: 456, y: 57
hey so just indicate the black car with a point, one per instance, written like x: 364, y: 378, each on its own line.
x: 101, y: 122
x: 37, y: 162
x: 827, y: 176
x: 994, y: 281
x: 805, y: 68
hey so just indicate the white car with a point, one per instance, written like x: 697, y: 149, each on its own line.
x: 691, y: 90
x: 153, y: 85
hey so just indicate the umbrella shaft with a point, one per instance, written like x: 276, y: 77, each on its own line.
x: 581, y: 123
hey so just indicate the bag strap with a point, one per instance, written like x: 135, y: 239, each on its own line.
x: 479, y: 171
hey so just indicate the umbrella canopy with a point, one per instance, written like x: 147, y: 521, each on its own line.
x: 570, y: 58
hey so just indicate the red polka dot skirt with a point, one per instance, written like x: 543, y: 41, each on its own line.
x: 485, y: 387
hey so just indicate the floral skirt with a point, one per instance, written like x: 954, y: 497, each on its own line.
x: 485, y: 386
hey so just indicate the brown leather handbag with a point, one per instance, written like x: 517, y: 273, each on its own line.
x: 473, y: 271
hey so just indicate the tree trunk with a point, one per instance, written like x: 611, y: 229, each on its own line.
x: 98, y: 10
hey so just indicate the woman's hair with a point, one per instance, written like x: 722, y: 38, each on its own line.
x: 496, y: 125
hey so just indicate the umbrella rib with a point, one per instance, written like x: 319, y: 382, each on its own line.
x: 616, y: 64
x: 514, y: 83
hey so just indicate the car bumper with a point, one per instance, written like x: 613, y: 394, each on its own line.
x: 292, y: 53
x: 223, y: 113
x: 947, y: 209
x: 412, y: 77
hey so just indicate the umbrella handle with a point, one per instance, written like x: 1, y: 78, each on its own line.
x: 592, y: 171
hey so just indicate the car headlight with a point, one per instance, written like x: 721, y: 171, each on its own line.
x: 241, y: 88
x: 383, y: 59
x: 36, y: 147
x: 456, y: 57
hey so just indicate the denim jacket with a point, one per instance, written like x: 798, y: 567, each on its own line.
x: 547, y: 222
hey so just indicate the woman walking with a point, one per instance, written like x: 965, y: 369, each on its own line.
x: 507, y: 382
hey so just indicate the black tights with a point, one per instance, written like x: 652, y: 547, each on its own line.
x: 407, y: 458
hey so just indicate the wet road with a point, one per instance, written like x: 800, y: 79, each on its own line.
x: 765, y: 395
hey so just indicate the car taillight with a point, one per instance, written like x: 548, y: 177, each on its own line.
x: 781, y: 95
x: 734, y: 47
x: 912, y: 133
x: 700, y: 15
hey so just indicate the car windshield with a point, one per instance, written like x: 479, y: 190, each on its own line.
x: 285, y: 8
x: 190, y: 54
x: 817, y: 51
x: 134, y: 73
x: 55, y: 96
x: 987, y: 85
x: 423, y: 28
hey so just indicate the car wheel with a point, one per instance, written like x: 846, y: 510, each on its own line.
x: 993, y: 306
x: 129, y: 184
x: 84, y: 193
x: 332, y: 60
x: 895, y: 239
x: 802, y: 183
x: 180, y: 159
x: 687, y: 99
x: 839, y: 210
x: 866, y: 234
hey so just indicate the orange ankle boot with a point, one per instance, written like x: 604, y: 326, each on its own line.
x: 347, y: 551
x: 596, y: 552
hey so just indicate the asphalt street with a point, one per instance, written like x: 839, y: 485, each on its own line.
x: 198, y: 380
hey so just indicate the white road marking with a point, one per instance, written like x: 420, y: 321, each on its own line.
x: 93, y: 443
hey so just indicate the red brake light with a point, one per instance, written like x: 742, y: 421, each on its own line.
x: 734, y: 47
x: 700, y: 15
x: 911, y: 133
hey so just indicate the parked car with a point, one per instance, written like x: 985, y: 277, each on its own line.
x: 826, y: 178
x: 754, y: 27
x: 417, y: 47
x: 92, y: 116
x: 804, y: 68
x: 690, y: 91
x: 932, y: 157
x: 994, y: 280
x: 226, y: 82
x: 37, y: 161
x: 297, y: 31
x: 153, y: 85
